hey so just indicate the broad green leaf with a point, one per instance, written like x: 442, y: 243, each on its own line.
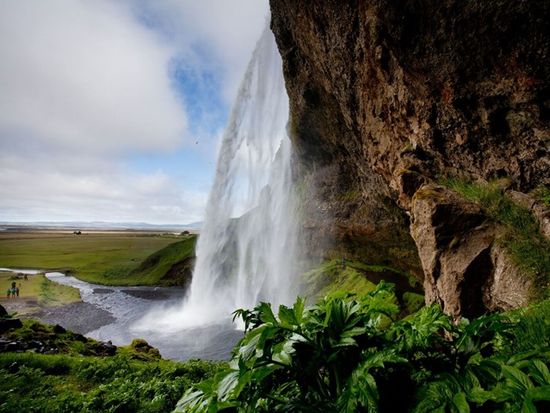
x: 280, y: 354
x: 539, y: 371
x: 355, y: 331
x: 479, y: 395
x: 521, y: 356
x: 286, y: 316
x: 518, y: 378
x: 528, y: 407
x: 345, y: 342
x: 227, y: 384
x: 460, y: 403
x: 248, y: 345
x: 258, y: 374
x: 539, y: 393
x: 190, y: 401
x: 299, y: 309
x: 266, y: 313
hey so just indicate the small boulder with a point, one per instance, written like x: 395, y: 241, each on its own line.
x: 9, y: 324
x: 141, y: 346
x: 57, y: 329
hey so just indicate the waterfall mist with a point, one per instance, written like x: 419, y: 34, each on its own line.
x: 246, y: 249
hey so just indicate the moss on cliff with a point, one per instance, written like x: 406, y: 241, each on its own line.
x: 360, y: 278
x: 528, y: 248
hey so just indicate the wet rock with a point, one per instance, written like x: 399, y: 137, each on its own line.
x: 9, y: 324
x: 57, y: 329
x: 79, y: 337
x: 542, y: 214
x: 3, y: 312
x: 141, y: 346
x: 385, y: 97
x: 507, y: 288
x: 105, y: 349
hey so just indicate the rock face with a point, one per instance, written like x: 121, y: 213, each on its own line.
x: 466, y: 270
x: 388, y: 95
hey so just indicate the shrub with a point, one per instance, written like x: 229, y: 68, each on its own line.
x: 349, y: 354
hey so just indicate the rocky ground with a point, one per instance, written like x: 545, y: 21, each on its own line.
x: 78, y: 317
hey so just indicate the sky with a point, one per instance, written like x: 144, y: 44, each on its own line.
x: 113, y: 110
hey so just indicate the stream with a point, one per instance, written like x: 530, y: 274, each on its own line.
x: 122, y: 309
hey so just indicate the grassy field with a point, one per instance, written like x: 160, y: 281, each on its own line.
x: 104, y: 258
x: 35, y: 293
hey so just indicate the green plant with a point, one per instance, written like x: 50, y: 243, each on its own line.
x: 60, y: 383
x: 542, y: 193
x: 349, y: 354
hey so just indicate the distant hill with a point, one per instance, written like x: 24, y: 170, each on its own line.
x: 99, y: 225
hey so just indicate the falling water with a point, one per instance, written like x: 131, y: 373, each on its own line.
x: 245, y: 252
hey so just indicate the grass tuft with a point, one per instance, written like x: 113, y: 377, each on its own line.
x: 528, y: 248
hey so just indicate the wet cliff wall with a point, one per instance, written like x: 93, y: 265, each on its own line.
x: 387, y: 98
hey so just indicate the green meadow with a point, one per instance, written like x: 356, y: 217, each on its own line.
x: 116, y: 258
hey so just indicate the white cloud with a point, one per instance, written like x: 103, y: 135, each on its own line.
x: 226, y: 31
x: 107, y: 193
x: 85, y: 75
x: 86, y: 83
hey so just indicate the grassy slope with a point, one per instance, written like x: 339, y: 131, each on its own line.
x: 98, y: 258
x: 155, y: 267
x: 360, y: 278
x: 78, y: 381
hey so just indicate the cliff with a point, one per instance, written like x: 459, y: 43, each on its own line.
x: 389, y: 99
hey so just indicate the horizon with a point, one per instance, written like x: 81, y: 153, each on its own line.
x: 90, y: 224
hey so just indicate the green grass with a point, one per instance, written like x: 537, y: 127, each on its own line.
x: 542, y: 194
x: 54, y: 294
x: 112, y: 258
x: 359, y: 278
x: 61, y: 383
x: 157, y: 264
x: 522, y: 238
x: 331, y: 276
x: 37, y: 288
x: 135, y: 379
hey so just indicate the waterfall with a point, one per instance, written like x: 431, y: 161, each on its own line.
x: 245, y: 251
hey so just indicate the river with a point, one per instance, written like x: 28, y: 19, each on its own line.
x: 127, y: 305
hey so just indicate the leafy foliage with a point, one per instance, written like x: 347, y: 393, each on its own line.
x: 352, y: 354
x: 60, y: 383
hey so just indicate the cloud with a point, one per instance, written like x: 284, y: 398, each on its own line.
x: 216, y: 35
x: 85, y: 75
x: 93, y: 192
x: 91, y: 86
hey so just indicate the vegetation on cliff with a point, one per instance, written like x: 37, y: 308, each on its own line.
x: 521, y: 236
x: 351, y: 353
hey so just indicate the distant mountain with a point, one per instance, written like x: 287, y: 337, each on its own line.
x: 100, y: 225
